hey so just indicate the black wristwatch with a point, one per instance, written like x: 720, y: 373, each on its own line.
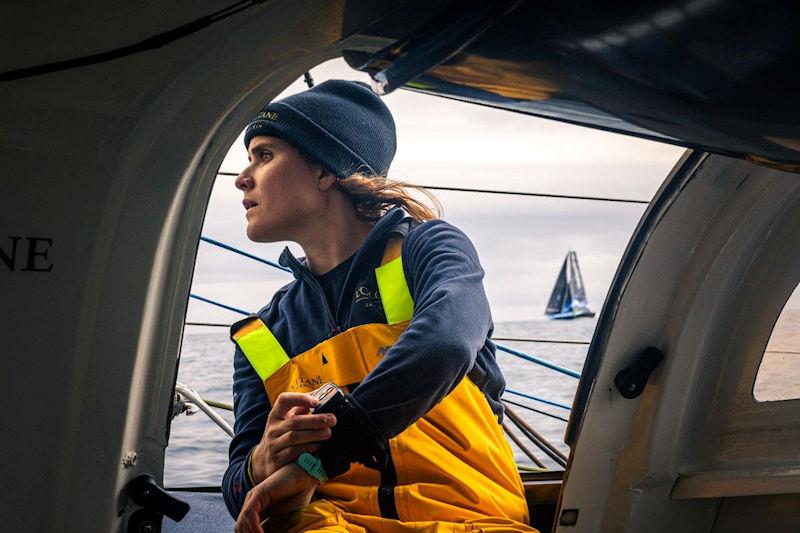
x: 331, y: 399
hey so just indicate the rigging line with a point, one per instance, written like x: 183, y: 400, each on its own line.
x: 512, y: 193
x: 212, y: 302
x: 537, y: 399
x: 509, y: 339
x: 222, y: 405
x: 539, y: 361
x: 536, y: 194
x: 242, y: 252
x: 151, y: 43
x: 537, y: 438
x: 531, y: 358
x: 540, y: 442
x: 527, y: 451
x: 549, y: 341
x: 517, y: 353
x: 529, y: 408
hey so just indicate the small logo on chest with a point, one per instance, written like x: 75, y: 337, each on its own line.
x: 368, y: 298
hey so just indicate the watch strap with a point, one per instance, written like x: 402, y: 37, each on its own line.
x: 312, y: 466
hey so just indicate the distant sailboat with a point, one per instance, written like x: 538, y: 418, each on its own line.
x: 568, y: 299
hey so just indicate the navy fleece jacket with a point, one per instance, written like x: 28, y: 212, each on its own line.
x: 448, y: 338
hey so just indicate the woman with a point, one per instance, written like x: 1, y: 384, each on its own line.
x: 388, y: 305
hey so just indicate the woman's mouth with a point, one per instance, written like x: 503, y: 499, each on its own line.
x: 248, y: 204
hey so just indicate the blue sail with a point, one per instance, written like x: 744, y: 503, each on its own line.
x: 568, y: 299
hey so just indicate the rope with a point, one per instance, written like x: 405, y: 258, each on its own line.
x: 551, y: 341
x: 151, y: 43
x: 512, y: 193
x: 510, y: 339
x: 529, y: 408
x: 538, y: 361
x: 542, y: 443
x: 242, y: 252
x: 212, y: 302
x: 521, y: 446
x: 536, y: 194
x: 219, y: 405
x: 531, y: 358
x: 517, y: 353
x: 537, y: 399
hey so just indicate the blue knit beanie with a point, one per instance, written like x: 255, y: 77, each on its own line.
x: 339, y: 124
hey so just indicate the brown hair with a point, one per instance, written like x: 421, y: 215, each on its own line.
x: 372, y: 196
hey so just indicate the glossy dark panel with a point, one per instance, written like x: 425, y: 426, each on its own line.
x: 710, y: 74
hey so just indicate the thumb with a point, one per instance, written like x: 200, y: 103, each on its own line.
x: 250, y: 515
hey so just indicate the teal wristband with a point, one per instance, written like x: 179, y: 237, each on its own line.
x: 312, y: 466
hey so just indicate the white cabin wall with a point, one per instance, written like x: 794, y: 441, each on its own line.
x: 114, y: 162
x: 706, y: 288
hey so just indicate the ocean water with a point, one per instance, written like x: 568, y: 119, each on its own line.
x: 197, y: 454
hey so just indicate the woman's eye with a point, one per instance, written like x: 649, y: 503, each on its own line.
x: 265, y: 156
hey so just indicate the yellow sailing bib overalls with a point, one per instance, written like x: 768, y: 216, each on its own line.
x: 454, y: 469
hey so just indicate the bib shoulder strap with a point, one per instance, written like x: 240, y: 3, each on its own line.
x: 260, y: 346
x: 395, y: 295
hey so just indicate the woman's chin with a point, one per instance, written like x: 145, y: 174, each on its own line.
x: 257, y: 234
x: 254, y: 234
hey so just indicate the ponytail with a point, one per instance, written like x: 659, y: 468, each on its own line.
x: 372, y: 196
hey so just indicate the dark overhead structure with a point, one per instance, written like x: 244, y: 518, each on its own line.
x: 707, y: 74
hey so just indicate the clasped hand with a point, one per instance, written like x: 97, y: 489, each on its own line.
x: 281, y: 485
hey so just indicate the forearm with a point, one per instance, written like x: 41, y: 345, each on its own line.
x: 251, y: 408
x: 426, y: 363
x: 450, y: 324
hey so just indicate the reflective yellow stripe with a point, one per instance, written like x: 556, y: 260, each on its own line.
x: 397, y: 302
x: 261, y: 348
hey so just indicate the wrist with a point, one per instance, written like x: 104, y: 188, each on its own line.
x: 255, y: 466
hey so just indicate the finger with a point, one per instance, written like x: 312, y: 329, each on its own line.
x: 289, y: 455
x: 276, y: 428
x: 297, y: 411
x: 248, y: 522
x: 287, y: 400
x: 301, y: 422
x: 257, y: 499
x: 297, y: 438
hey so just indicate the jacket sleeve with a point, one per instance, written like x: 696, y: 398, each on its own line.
x: 449, y: 326
x: 250, y: 407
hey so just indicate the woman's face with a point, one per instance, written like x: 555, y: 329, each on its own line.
x: 281, y: 192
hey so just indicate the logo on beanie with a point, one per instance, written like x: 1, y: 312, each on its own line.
x: 267, y: 115
x: 261, y: 120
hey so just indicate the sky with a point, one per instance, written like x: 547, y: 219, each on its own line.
x: 521, y: 241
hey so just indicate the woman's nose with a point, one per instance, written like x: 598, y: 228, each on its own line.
x: 243, y: 181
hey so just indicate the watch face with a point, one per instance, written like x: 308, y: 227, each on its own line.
x: 324, y: 394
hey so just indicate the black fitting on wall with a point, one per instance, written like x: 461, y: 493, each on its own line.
x: 631, y: 381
